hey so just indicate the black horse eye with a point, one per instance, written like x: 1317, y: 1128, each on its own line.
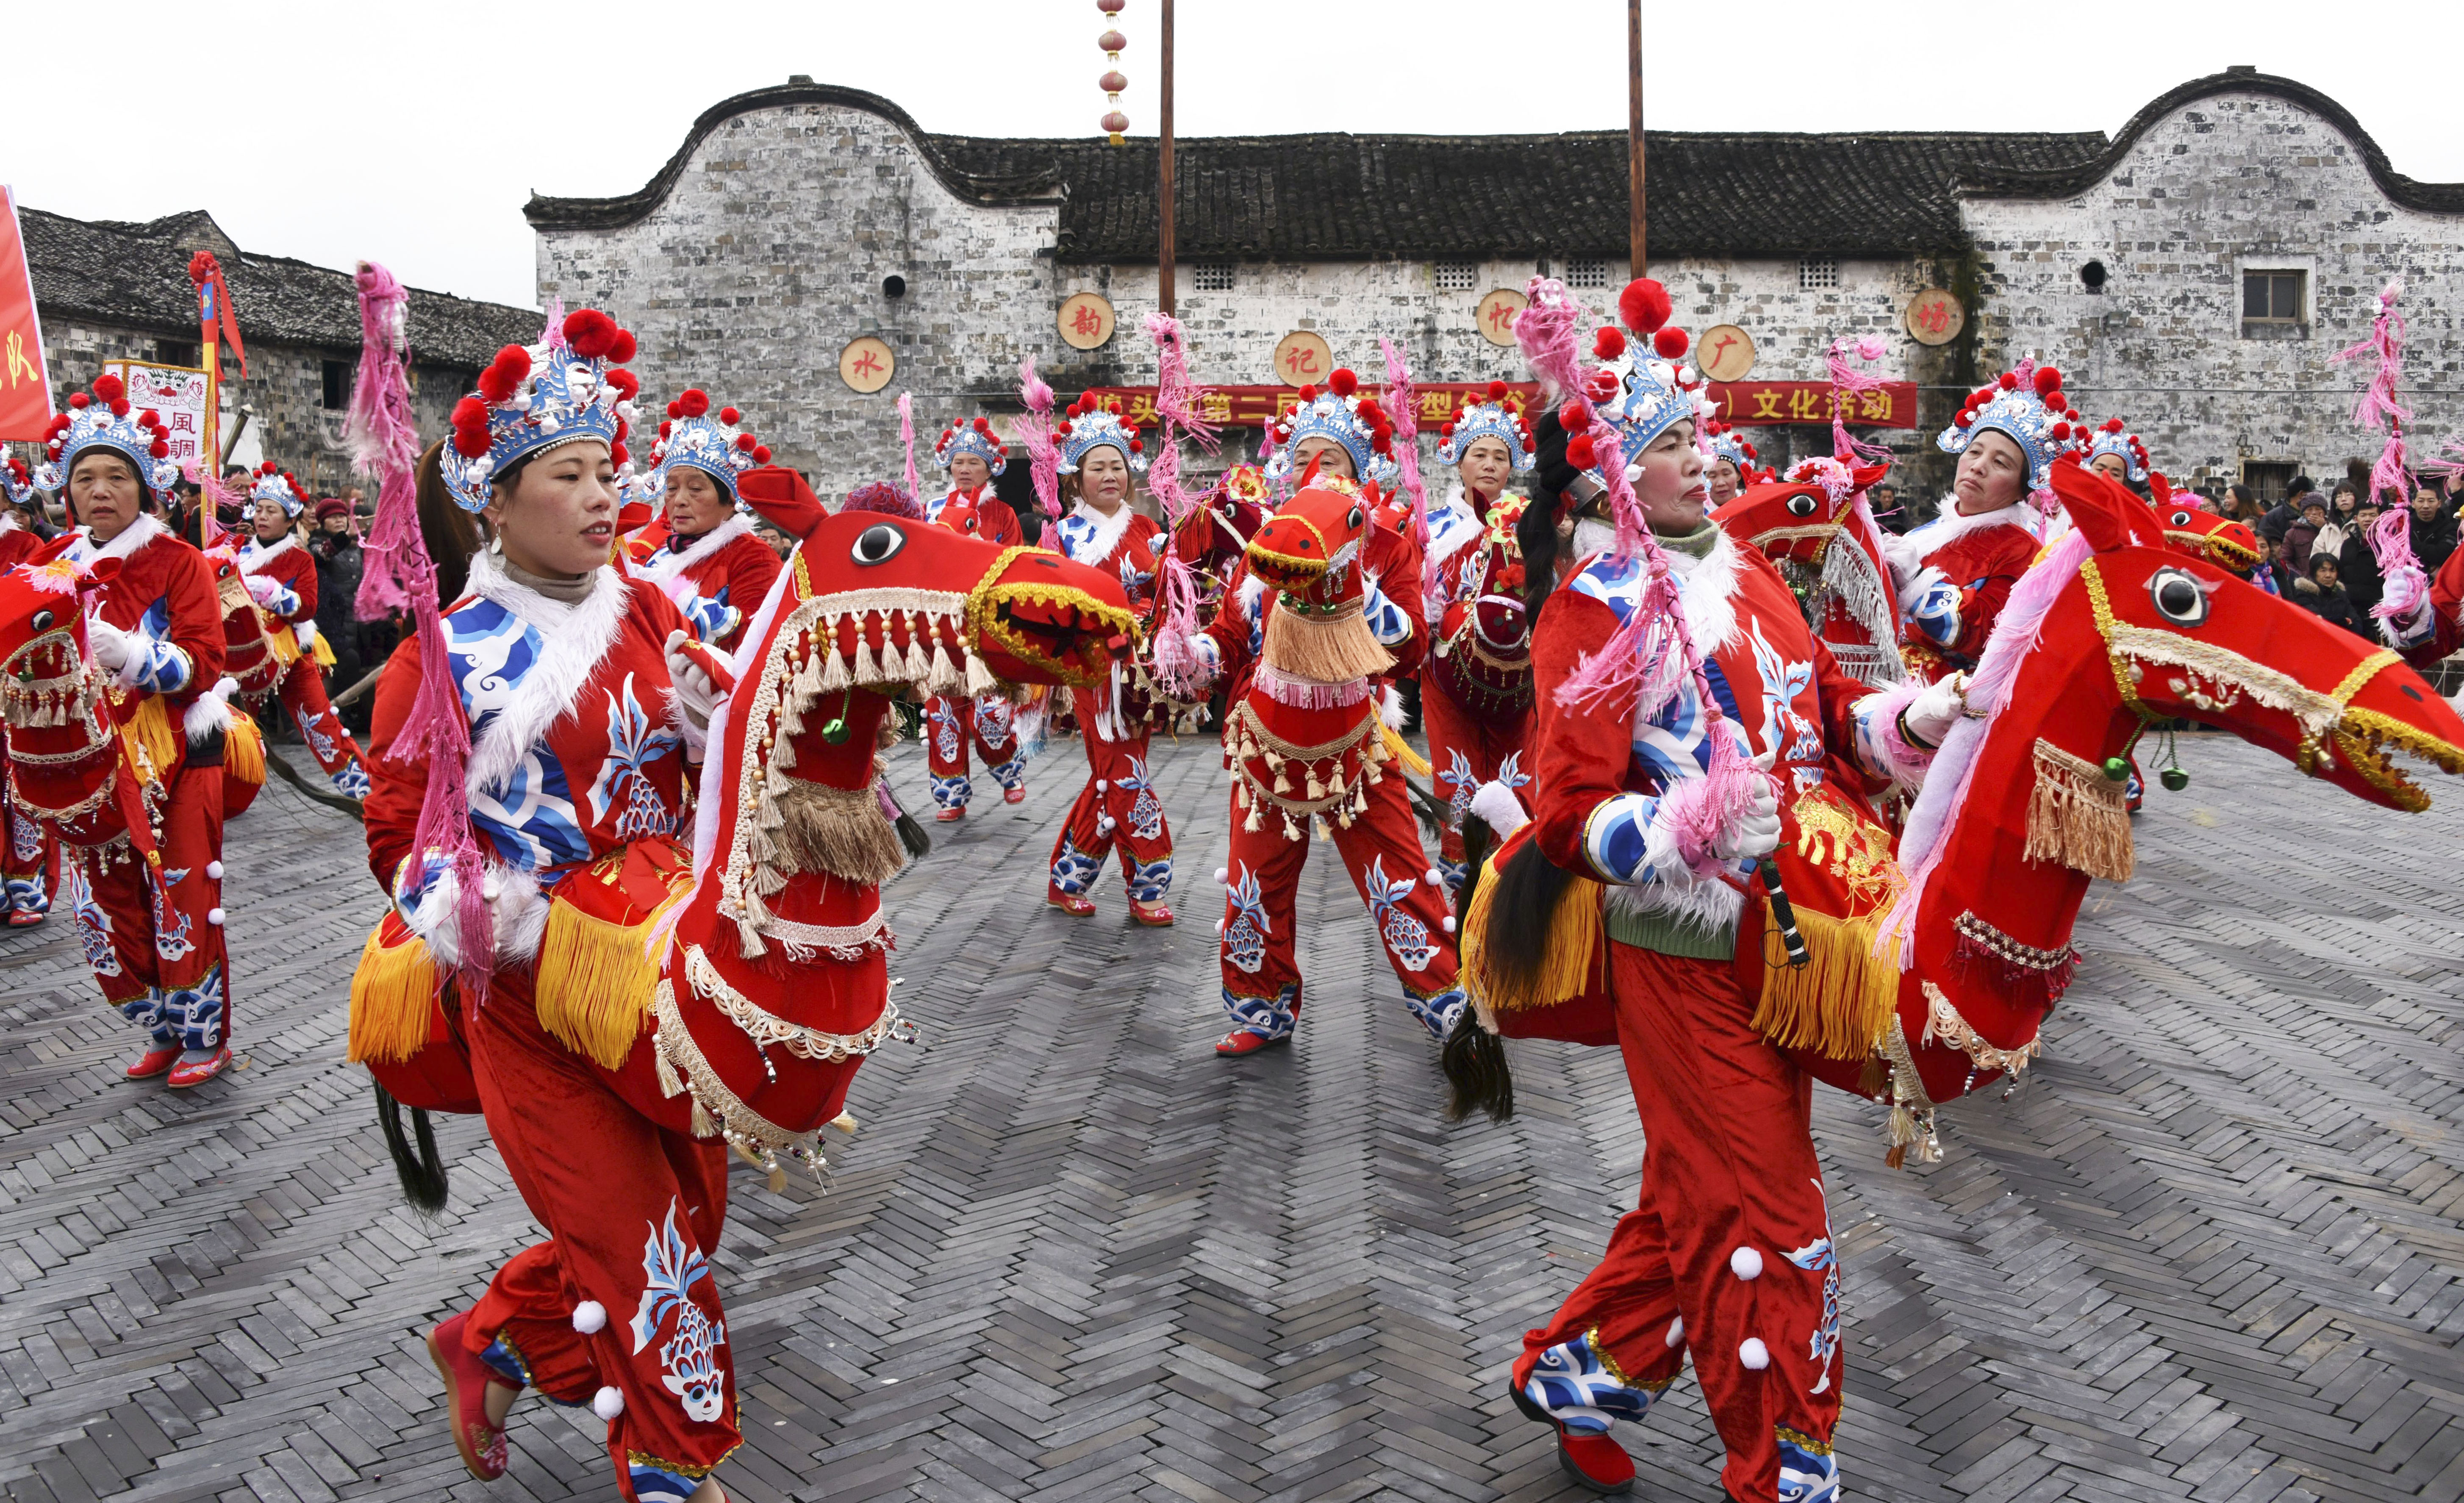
x: 43, y: 620
x: 1355, y: 518
x: 1800, y: 505
x: 2181, y: 518
x: 877, y: 543
x: 2178, y: 597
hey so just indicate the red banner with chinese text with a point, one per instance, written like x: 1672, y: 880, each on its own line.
x: 25, y: 381
x: 1250, y: 407
x: 1766, y: 403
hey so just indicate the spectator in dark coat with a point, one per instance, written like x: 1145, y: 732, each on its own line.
x: 2434, y: 529
x: 2304, y: 532
x: 338, y: 566
x: 2357, y: 566
x: 2328, y: 600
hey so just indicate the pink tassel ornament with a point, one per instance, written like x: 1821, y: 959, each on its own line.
x: 2390, y: 536
x: 1035, y: 437
x: 1848, y: 381
x: 1401, y: 407
x: 1177, y: 404
x: 1176, y: 662
x: 1550, y: 332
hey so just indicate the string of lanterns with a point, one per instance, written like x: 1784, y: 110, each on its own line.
x: 1114, y: 123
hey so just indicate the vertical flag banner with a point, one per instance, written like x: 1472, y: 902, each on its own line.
x: 213, y: 306
x: 25, y: 380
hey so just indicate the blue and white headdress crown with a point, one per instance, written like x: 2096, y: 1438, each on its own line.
x: 695, y: 437
x: 273, y: 483
x: 564, y: 390
x: 977, y: 438
x: 103, y: 421
x: 2027, y: 406
x: 1089, y: 424
x: 1340, y: 413
x: 2115, y: 439
x: 17, y: 481
x: 1489, y: 419
x: 1651, y: 396
x: 1721, y: 441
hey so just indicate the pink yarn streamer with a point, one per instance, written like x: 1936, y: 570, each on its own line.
x: 1401, y: 409
x: 1176, y: 662
x: 906, y: 438
x: 2390, y: 536
x: 216, y: 495
x: 384, y: 444
x: 1177, y: 404
x: 1847, y: 381
x: 1550, y: 331
x: 1035, y: 437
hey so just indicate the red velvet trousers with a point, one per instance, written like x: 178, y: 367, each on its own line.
x: 1465, y: 750
x: 1731, y: 1189
x: 1118, y: 806
x: 152, y: 937
x: 302, y: 692
x: 632, y: 1211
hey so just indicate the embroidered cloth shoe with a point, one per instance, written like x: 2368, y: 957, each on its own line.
x: 950, y: 816
x: 195, y: 1070
x: 25, y: 917
x: 1241, y: 1041
x: 1071, y: 903
x: 1590, y: 1460
x: 482, y: 1445
x: 1013, y: 795
x: 157, y: 1058
x: 1154, y: 915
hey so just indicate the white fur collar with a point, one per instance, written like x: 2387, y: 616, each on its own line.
x: 1449, y: 524
x: 1107, y: 535
x: 253, y: 558
x: 667, y: 565
x: 1907, y: 552
x: 133, y: 537
x: 572, y: 640
x: 1707, y: 586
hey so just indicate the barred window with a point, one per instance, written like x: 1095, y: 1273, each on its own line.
x: 1456, y: 276
x: 1818, y: 273
x: 1587, y: 273
x: 2271, y: 297
x: 1211, y: 279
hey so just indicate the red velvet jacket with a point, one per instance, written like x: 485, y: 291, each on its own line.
x: 164, y: 592
x: 717, y: 581
x: 1978, y: 558
x: 290, y: 565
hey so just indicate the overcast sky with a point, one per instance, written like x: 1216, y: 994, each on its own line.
x: 414, y: 133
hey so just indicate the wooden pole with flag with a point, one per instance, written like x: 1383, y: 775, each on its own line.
x: 1167, y: 279
x: 1639, y: 220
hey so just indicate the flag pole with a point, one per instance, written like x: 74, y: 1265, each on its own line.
x: 1167, y: 277
x: 1639, y: 220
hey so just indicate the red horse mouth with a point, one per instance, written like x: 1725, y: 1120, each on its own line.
x: 1056, y: 627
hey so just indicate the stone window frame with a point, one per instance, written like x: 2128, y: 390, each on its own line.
x: 1591, y: 275
x: 1454, y: 275
x: 2306, y: 267
x: 1213, y: 276
x: 1818, y: 274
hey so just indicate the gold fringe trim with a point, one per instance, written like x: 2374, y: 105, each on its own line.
x: 280, y: 642
x: 392, y: 993
x: 1574, y: 939
x: 244, y: 750
x: 1402, y: 750
x: 1333, y: 648
x: 595, y: 982
x: 2079, y: 817
x: 838, y: 831
x: 1840, y: 1003
x: 153, y: 738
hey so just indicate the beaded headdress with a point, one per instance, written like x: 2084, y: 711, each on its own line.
x: 102, y: 420
x: 565, y: 389
x: 1089, y: 424
x: 977, y: 438
x: 1489, y: 419
x: 1340, y: 413
x: 691, y: 436
x: 2027, y: 406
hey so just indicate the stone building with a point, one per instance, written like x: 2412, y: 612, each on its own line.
x: 795, y: 219
x: 113, y: 291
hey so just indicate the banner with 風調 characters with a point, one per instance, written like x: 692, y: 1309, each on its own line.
x: 180, y: 396
x: 25, y: 382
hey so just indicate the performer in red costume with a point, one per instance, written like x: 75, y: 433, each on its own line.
x: 1954, y: 572
x: 970, y: 456
x: 1119, y: 805
x: 1476, y: 681
x: 710, y: 563
x: 1732, y: 461
x: 1690, y: 724
x: 1305, y: 747
x: 282, y: 578
x: 584, y: 704
x: 29, y: 862
x: 153, y: 935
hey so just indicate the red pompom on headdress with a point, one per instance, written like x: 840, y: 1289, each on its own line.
x: 1671, y: 343
x: 694, y: 402
x: 590, y: 333
x: 1342, y: 382
x: 1497, y: 392
x: 1645, y: 305
x: 1608, y: 343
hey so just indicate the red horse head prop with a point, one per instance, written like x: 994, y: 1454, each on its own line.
x: 2203, y: 533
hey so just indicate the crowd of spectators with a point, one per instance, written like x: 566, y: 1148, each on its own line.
x: 2318, y: 544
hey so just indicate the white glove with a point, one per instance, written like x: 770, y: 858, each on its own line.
x: 1935, y: 710
x: 108, y: 643
x: 304, y: 632
x: 262, y: 587
x: 695, y: 694
x: 1754, y: 833
x: 1496, y: 807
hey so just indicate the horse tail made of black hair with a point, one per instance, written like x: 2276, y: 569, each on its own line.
x: 910, y: 834
x: 1514, y: 946
x: 1536, y: 533
x: 416, y: 1162
x: 1473, y: 1058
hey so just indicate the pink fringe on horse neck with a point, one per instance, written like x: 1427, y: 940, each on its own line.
x: 1035, y: 437
x: 385, y: 444
x: 1176, y: 404
x: 1847, y: 381
x: 1401, y: 409
x: 2390, y: 536
x: 1550, y: 331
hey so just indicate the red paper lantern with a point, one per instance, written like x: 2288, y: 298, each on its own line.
x: 1113, y: 83
x: 1114, y: 122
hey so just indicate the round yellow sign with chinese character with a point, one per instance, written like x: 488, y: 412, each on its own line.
x: 1497, y: 313
x: 1303, y: 358
x: 1935, y: 317
x: 867, y: 363
x: 1085, y: 321
x: 1725, y: 352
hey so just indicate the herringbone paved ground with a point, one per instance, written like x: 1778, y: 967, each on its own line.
x: 2212, y: 1251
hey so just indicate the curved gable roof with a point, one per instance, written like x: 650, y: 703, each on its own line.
x: 2071, y: 181
x: 1353, y: 197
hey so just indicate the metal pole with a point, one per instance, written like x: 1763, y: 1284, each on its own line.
x: 1166, y: 279
x: 1633, y: 127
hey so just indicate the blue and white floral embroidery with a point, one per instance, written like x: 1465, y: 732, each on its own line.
x: 1267, y: 1017
x: 689, y: 1359
x: 1246, y: 927
x: 1808, y: 1471
x: 1819, y: 1254
x: 170, y: 938
x: 1577, y: 1388
x: 1149, y: 881
x: 1074, y: 871
x: 1406, y: 936
x: 1146, y: 810
x: 633, y: 743
x: 1783, y: 726
x: 1438, y: 1012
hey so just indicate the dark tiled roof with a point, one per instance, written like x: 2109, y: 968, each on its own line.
x: 135, y: 276
x: 1345, y: 197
